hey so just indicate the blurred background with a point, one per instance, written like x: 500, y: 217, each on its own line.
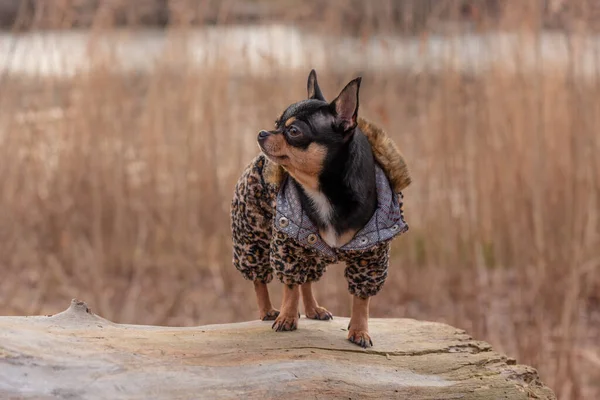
x: 124, y: 125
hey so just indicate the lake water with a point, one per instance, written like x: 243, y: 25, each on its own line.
x: 258, y: 50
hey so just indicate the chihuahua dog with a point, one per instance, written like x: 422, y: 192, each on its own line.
x: 326, y: 188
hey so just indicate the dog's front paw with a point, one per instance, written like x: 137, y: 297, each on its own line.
x: 269, y: 315
x: 360, y: 338
x: 319, y: 313
x: 285, y: 323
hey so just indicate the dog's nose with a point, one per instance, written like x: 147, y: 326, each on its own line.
x: 263, y: 134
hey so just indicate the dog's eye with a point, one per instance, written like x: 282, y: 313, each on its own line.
x: 293, y: 132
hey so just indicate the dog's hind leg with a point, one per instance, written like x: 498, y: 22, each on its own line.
x: 311, y: 307
x: 366, y: 275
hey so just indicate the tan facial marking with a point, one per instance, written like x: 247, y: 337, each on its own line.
x: 305, y: 165
x: 275, y: 145
x: 290, y: 121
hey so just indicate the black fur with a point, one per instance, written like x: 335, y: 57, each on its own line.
x: 348, y: 181
x: 312, y: 87
x: 347, y: 177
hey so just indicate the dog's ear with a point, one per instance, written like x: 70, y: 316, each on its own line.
x: 345, y: 106
x: 312, y: 87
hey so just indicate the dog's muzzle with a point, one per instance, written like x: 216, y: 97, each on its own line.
x: 262, y: 136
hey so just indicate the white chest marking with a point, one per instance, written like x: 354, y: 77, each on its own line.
x: 329, y: 237
x: 325, y: 211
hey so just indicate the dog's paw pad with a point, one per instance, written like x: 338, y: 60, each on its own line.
x: 285, y: 323
x: 270, y: 315
x: 360, y: 338
x: 319, y: 313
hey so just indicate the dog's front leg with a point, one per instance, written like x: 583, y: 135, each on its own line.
x: 288, y: 316
x: 265, y: 309
x: 311, y: 307
x: 358, y: 329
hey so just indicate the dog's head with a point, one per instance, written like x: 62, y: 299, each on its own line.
x: 312, y: 130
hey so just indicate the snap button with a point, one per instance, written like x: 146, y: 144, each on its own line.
x: 283, y: 222
x: 364, y: 240
x: 312, y: 238
x: 395, y: 227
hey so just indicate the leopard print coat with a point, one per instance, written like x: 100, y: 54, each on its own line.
x: 273, y: 235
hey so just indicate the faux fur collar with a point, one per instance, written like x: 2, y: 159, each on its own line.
x: 386, y: 153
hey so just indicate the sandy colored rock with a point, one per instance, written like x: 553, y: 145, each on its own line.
x: 79, y: 355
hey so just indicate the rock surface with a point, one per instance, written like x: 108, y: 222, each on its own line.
x: 79, y: 355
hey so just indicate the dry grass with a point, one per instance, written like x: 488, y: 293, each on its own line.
x: 120, y: 194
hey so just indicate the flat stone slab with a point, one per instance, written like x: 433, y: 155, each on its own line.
x: 79, y: 355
